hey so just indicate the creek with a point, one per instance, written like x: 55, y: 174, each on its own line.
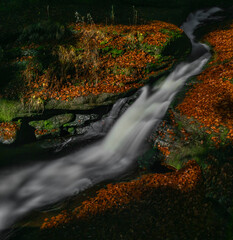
x: 25, y: 188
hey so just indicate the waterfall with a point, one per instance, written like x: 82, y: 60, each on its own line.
x: 22, y: 190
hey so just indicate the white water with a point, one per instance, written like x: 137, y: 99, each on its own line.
x: 25, y: 189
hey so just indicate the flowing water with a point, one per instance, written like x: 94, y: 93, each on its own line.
x: 22, y: 190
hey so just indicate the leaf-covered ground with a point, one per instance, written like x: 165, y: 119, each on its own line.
x: 96, y: 59
x: 211, y: 100
x: 108, y: 59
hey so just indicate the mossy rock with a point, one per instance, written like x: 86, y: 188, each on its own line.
x: 12, y: 109
x: 85, y: 102
x: 71, y: 130
x: 48, y: 133
x: 53, y: 122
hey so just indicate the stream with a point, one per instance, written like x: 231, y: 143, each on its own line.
x: 36, y: 185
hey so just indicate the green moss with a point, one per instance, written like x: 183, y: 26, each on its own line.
x: 116, y: 52
x: 182, y: 155
x: 48, y: 125
x: 171, y: 33
x: 152, y: 50
x: 43, y: 124
x: 8, y: 110
x: 53, y: 122
x: 103, y: 42
x: 71, y: 130
x: 176, y: 164
x: 113, y: 51
x: 223, y: 135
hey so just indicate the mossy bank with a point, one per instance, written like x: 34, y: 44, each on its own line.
x: 83, y: 66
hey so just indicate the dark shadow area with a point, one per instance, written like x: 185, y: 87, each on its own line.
x: 9, y: 73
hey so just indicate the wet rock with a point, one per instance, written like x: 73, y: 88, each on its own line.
x: 81, y: 124
x: 82, y: 120
x: 82, y: 130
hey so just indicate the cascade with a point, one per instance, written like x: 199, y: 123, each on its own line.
x: 34, y: 186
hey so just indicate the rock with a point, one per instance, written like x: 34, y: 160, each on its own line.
x: 51, y: 126
x: 82, y: 120
x: 53, y: 122
x: 60, y: 120
x: 83, y: 130
x: 85, y: 102
x: 47, y: 133
x: 81, y: 123
x: 9, y: 132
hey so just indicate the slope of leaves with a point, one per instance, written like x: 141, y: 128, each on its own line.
x: 118, y: 196
x: 211, y: 100
x: 110, y: 59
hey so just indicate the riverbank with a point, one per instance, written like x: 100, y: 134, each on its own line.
x: 79, y: 67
